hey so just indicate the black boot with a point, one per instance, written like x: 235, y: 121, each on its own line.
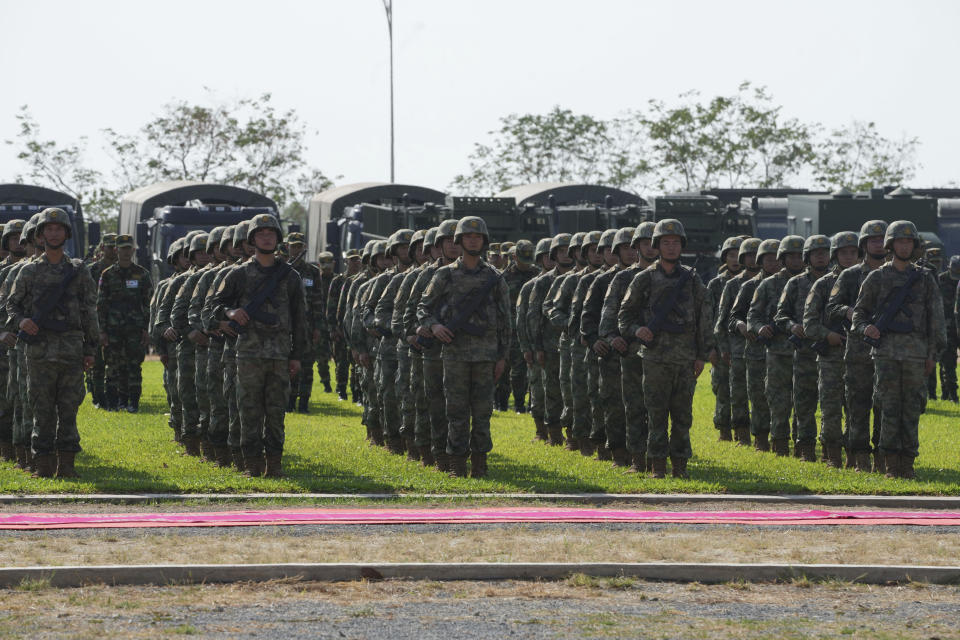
x: 122, y: 403
x: 134, y: 405
x: 304, y: 406
x: 291, y: 403
x: 326, y: 387
x: 519, y: 408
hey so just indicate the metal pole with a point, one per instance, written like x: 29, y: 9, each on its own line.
x: 388, y: 7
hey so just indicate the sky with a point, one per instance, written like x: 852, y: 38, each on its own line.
x: 460, y: 65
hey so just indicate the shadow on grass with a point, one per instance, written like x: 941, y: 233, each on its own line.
x: 736, y: 481
x: 525, y: 477
x: 941, y: 412
x: 312, y: 475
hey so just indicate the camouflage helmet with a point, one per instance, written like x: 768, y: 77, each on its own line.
x: 175, y: 248
x: 53, y: 215
x: 899, y: 229
x: 934, y: 254
x: 214, y: 237
x: 108, y: 240
x: 524, y: 251
x: 543, y: 248
x: 669, y: 227
x: 790, y: 244
x: 644, y: 230
x: 591, y: 237
x: 240, y: 232
x: 418, y: 236
x: 397, y: 238
x: 379, y: 248
x: 872, y: 228
x: 606, y: 239
x: 471, y: 224
x: 729, y: 245
x: 189, y: 236
x: 198, y: 243
x: 954, y: 268
x: 447, y: 229
x: 263, y: 221
x: 350, y: 254
x: 11, y: 227
x: 295, y: 237
x: 430, y: 237
x: 842, y: 240
x: 814, y: 242
x: 367, y: 249
x: 226, y: 239
x: 624, y: 235
x: 770, y: 246
x: 29, y: 229
x: 750, y: 245
x: 576, y: 240
x: 505, y: 247
x: 494, y: 248
x: 559, y: 241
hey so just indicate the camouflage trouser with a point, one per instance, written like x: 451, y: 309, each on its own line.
x: 518, y: 374
x: 20, y: 432
x: 858, y: 378
x: 341, y: 358
x: 757, y: 392
x: 122, y: 357
x: 593, y: 392
x: 230, y: 393
x: 739, y: 403
x: 634, y: 402
x: 173, y: 392
x: 55, y: 391
x: 187, y: 386
x: 372, y: 396
x: 805, y: 396
x: 302, y: 385
x: 468, y: 387
x: 830, y: 380
x: 262, y: 390
x: 96, y: 375
x: 219, y: 417
x: 720, y: 383
x: 552, y: 395
x: 566, y: 389
x: 6, y: 401
x: 203, y: 391
x: 669, y: 390
x: 948, y: 366
x: 407, y: 401
x: 779, y: 394
x: 535, y: 378
x: 433, y: 381
x: 900, y: 383
x: 26, y: 411
x: 321, y: 355
x: 421, y: 403
x: 502, y: 390
x: 613, y: 431
x: 581, y: 392
x: 389, y: 400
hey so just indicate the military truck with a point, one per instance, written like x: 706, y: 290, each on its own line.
x: 160, y: 213
x: 20, y: 201
x: 844, y: 210
x: 548, y: 208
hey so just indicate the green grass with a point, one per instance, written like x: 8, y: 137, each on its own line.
x: 326, y: 452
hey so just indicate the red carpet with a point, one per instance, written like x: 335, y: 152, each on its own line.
x: 463, y: 516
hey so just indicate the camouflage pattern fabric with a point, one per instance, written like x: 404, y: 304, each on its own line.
x: 754, y: 358
x: 262, y: 390
x: 948, y: 359
x: 720, y: 373
x: 829, y: 364
x: 469, y: 390
x: 732, y: 344
x: 789, y: 314
x: 123, y: 308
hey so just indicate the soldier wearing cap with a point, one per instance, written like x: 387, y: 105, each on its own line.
x: 905, y: 351
x: 730, y: 267
x: 341, y: 354
x: 507, y: 254
x: 96, y: 376
x: 59, y: 344
x: 269, y: 339
x: 325, y: 262
x: 123, y: 308
x: 9, y: 240
x: 520, y: 271
x: 493, y: 255
x: 948, y: 359
x: 302, y: 385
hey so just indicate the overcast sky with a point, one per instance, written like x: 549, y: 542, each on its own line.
x: 460, y: 65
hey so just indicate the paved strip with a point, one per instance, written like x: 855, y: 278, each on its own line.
x: 840, y: 500
x: 74, y: 576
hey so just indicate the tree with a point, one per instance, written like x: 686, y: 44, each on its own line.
x: 858, y: 157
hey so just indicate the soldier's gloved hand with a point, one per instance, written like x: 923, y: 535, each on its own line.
x: 619, y: 344
x: 835, y: 339
x: 541, y: 358
x: 766, y: 331
x: 29, y: 327
x: 8, y: 338
x: 225, y: 327
x: 742, y: 329
x: 872, y: 332
x: 87, y: 363
x: 601, y: 348
x: 697, y: 368
x: 239, y: 316
x: 644, y: 333
x: 198, y: 338
x: 441, y: 333
x: 293, y: 366
x: 170, y: 334
x: 713, y: 357
x: 726, y: 358
x: 499, y: 368
x: 798, y: 331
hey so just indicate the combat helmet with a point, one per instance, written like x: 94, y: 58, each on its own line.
x: 871, y: 228
x: 365, y: 254
x: 790, y: 244
x: 29, y: 229
x: 576, y: 241
x: 472, y: 224
x: 418, y: 236
x: 524, y: 251
x: 770, y: 246
x: 214, y: 237
x: 606, y: 239
x: 175, y: 248
x: 447, y: 229
x: 295, y: 237
x: 379, y: 248
x: 240, y: 233
x: 814, y: 242
x: 53, y: 215
x: 430, y: 237
x: 559, y: 241
x: 198, y: 243
x: 730, y: 244
x: 669, y: 227
x: 226, y: 239
x: 954, y: 268
x: 624, y: 235
x: 11, y: 227
x: 644, y: 231
x: 901, y: 229
x: 543, y: 248
x: 750, y: 245
x: 397, y: 238
x: 263, y: 221
x: 842, y: 240
x: 589, y: 238
x: 505, y: 248
x: 494, y: 248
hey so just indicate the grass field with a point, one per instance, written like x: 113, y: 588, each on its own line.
x: 326, y: 452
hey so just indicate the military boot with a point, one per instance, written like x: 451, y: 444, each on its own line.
x: 478, y: 465
x: 326, y: 387
x: 879, y: 463
x: 7, y: 452
x: 191, y: 445
x: 603, y: 453
x: 413, y: 451
x: 458, y: 466
x: 862, y: 462
x: 44, y: 466
x: 341, y: 395
x: 586, y: 447
x: 851, y: 459
x: 621, y: 457
x: 833, y: 455
x: 519, y: 408
x: 21, y: 452
x: 109, y: 401
x: 639, y: 461
x: 725, y: 435
x: 679, y: 467
x: 555, y: 434
x: 221, y: 455
x: 206, y: 450
x: 906, y: 468
x: 274, y: 466
x: 291, y: 403
x: 253, y: 466
x: 442, y: 461
x: 304, y: 405
x: 571, y: 441
x: 426, y: 457
x: 395, y: 445
x: 743, y: 437
x: 780, y: 446
x: 65, y: 467
x: 134, y: 405
x: 808, y: 451
x: 236, y: 459
x: 658, y: 468
x: 797, y: 450
x: 760, y: 443
x: 892, y: 464
x: 122, y: 402
x: 542, y: 435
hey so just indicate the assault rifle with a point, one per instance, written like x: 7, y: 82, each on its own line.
x: 460, y: 322
x: 265, y: 292
x: 668, y: 301
x: 885, y: 318
x: 47, y: 303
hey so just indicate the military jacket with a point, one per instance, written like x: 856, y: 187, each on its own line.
x: 199, y: 297
x: 763, y: 308
x: 123, y: 300
x: 816, y: 324
x: 410, y: 321
x: 730, y: 341
x: 948, y: 291
x: 752, y: 350
x: 179, y: 313
x: 543, y: 335
x: 562, y: 305
x: 716, y: 285
x: 400, y: 306
x: 790, y: 308
x: 593, y: 305
x: 520, y: 317
x: 843, y: 297
x: 348, y: 302
x: 546, y: 308
x: 383, y: 314
x: 576, y: 303
x: 691, y: 315
x: 207, y: 312
x: 333, y: 300
x: 313, y: 286
x: 515, y: 279
x: 927, y: 336
x: 612, y: 300
x: 77, y: 310
x: 98, y: 267
x: 163, y: 319
x: 451, y: 287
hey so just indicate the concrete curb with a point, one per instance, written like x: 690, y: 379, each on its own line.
x: 891, y: 502
x: 671, y: 572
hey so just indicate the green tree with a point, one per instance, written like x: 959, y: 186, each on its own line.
x: 857, y: 156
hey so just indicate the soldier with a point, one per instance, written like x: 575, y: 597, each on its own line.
x: 53, y: 303
x: 763, y: 307
x: 271, y: 335
x: 731, y: 345
x: 858, y: 366
x: 494, y: 258
x: 789, y: 320
x: 948, y: 360
x: 905, y: 349
x: 9, y: 240
x: 176, y: 258
x: 677, y: 347
x: 469, y: 293
x: 123, y: 308
x: 522, y: 333
x: 545, y: 337
x: 302, y: 385
x: 365, y: 345
x: 345, y: 321
x: 96, y: 376
x: 828, y: 341
x: 520, y: 271
x: 324, y: 347
x: 934, y: 257
x: 720, y: 374
x: 338, y: 343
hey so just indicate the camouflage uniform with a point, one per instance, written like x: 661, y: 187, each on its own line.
x: 545, y: 338
x: 9, y: 400
x: 96, y: 376
x: 431, y: 422
x: 754, y: 356
x: 948, y: 359
x: 317, y: 350
x: 720, y: 373
x: 338, y: 345
x: 610, y: 433
x: 410, y: 372
x: 586, y: 406
x: 534, y: 374
x: 516, y: 374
